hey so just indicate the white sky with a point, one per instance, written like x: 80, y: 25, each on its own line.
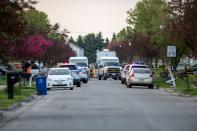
x: 86, y: 16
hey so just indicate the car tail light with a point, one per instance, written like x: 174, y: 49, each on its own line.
x: 132, y: 75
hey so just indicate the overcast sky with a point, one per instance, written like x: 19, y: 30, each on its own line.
x: 86, y: 16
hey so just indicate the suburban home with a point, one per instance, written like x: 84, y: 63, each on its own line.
x: 77, y: 49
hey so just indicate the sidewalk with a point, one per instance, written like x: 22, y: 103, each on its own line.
x: 2, y: 87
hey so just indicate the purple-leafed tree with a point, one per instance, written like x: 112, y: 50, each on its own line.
x: 32, y: 47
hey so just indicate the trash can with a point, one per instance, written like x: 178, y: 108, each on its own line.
x: 41, y: 85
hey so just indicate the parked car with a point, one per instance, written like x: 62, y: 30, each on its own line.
x: 194, y: 68
x: 140, y: 77
x: 7, y: 66
x: 131, y: 66
x: 3, y: 71
x: 74, y: 72
x: 59, y: 77
x: 181, y: 68
x: 83, y: 74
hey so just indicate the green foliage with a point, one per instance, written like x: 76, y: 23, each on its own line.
x: 91, y: 42
x: 181, y: 85
x: 12, y: 25
x: 36, y: 21
x: 55, y: 34
x: 143, y: 30
x: 148, y: 16
x: 71, y: 40
x: 3, y: 80
x: 113, y: 37
x: 125, y: 34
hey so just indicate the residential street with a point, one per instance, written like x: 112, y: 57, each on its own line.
x: 107, y: 106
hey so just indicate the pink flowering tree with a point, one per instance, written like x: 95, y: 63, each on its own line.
x: 33, y: 47
x: 36, y: 45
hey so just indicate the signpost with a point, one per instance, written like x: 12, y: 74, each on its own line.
x: 171, y: 52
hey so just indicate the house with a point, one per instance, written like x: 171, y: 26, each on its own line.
x: 77, y: 49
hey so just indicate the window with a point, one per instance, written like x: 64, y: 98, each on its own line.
x: 59, y: 72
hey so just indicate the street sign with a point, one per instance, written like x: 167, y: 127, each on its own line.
x: 171, y: 51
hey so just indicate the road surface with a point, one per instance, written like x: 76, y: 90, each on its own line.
x: 107, y: 106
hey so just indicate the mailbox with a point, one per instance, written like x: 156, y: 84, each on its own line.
x: 12, y: 78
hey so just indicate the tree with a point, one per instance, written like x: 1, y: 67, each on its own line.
x: 123, y: 50
x: 122, y: 35
x: 99, y: 41
x: 145, y: 21
x: 35, y: 47
x: 12, y: 25
x: 90, y: 43
x: 57, y: 53
x: 36, y: 21
x: 71, y: 40
x: 182, y: 27
x: 56, y: 34
x: 113, y: 37
x: 147, y: 16
x: 80, y: 41
x: 106, y: 42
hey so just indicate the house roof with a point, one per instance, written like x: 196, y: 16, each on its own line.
x: 76, y: 46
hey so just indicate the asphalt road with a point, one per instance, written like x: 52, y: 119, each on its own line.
x: 107, y: 106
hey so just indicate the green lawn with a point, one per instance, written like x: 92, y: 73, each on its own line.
x: 181, y: 84
x: 3, y: 80
x: 20, y: 93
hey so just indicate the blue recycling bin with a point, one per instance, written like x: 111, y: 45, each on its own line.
x: 41, y: 85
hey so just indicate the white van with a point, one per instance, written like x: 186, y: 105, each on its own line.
x: 79, y: 61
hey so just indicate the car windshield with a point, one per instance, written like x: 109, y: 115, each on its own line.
x: 111, y: 64
x: 59, y: 72
x: 70, y: 67
x: 141, y: 71
x: 81, y: 64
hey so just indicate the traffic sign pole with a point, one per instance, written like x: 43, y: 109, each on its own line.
x: 171, y: 52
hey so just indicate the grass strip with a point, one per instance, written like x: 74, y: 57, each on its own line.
x: 20, y: 93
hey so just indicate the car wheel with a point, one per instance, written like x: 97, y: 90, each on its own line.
x: 115, y: 78
x: 48, y: 89
x: 85, y: 81
x: 79, y: 84
x: 99, y: 77
x: 71, y: 88
x: 105, y: 78
x: 150, y: 86
x: 130, y: 86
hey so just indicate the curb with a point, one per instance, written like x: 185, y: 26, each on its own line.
x: 170, y: 91
x: 1, y: 116
x: 19, y: 104
x: 178, y: 94
x: 10, y: 115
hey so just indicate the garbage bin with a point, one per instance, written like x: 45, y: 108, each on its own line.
x: 41, y: 85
